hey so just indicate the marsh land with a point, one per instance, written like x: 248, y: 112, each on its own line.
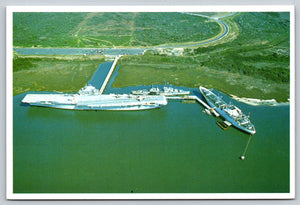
x: 252, y: 60
x: 61, y: 74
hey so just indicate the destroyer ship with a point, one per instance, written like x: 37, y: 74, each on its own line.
x: 167, y: 91
x: 229, y: 112
x: 90, y: 98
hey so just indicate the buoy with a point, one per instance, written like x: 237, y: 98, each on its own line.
x: 242, y: 157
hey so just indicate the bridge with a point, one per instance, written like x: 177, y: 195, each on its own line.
x: 194, y: 97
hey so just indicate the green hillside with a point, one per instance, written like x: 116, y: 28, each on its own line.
x: 109, y: 29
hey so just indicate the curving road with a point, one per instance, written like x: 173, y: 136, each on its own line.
x: 216, y: 38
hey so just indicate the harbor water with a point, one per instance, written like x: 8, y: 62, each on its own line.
x: 80, y: 51
x: 173, y: 149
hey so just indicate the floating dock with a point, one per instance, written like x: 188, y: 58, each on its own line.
x: 224, y: 125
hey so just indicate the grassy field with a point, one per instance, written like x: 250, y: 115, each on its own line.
x: 109, y: 29
x: 37, y: 29
x: 52, y: 74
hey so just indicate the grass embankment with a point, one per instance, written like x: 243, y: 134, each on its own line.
x: 255, y: 64
x: 106, y: 29
x: 52, y: 73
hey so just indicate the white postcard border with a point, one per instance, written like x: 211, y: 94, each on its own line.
x: 161, y: 8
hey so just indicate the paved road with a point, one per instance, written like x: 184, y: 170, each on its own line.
x: 218, y: 37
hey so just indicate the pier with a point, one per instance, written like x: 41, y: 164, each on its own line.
x: 194, y: 97
x: 109, y: 74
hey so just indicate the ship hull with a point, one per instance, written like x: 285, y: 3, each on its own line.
x: 71, y: 107
x: 222, y: 113
x: 95, y: 102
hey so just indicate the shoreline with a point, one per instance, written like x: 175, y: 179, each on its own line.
x: 258, y: 102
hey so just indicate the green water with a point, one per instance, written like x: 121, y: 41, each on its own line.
x: 174, y: 149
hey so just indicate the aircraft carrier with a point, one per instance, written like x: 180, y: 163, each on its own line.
x: 89, y: 98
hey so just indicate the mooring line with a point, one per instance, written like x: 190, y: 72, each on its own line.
x: 243, y: 156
